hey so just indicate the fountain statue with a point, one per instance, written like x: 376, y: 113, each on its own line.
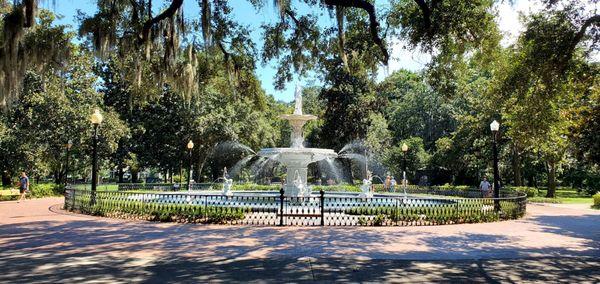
x: 303, y: 190
x: 227, y: 184
x: 365, y: 188
x: 296, y: 158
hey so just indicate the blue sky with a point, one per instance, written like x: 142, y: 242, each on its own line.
x: 402, y: 56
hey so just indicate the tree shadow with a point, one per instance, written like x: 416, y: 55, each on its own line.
x: 110, y: 250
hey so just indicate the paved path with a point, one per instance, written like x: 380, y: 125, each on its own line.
x: 41, y: 243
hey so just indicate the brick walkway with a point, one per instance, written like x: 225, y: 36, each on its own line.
x: 41, y: 243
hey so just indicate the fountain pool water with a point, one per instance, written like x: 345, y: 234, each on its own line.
x: 296, y: 158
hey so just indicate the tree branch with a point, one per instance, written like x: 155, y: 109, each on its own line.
x: 30, y: 8
x: 373, y: 23
x: 594, y: 20
x: 169, y: 12
x: 292, y: 16
x: 426, y: 14
x: 579, y: 36
x: 134, y: 17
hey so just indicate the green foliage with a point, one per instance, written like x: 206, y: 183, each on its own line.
x: 160, y: 212
x: 545, y: 200
x: 349, y: 102
x: 530, y: 191
x: 416, y: 157
x: 457, y: 211
x: 255, y: 187
x: 52, y: 110
x: 596, y: 198
x: 36, y: 190
x: 414, y: 109
x: 46, y: 190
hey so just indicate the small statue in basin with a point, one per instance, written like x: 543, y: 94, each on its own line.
x: 227, y: 184
x: 303, y: 190
x: 366, y: 187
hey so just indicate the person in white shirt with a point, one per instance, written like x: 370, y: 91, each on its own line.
x: 485, y: 187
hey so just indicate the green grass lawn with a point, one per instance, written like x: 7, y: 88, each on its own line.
x: 564, y: 195
x: 107, y: 186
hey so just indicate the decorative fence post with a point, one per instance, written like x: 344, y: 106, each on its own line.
x: 396, y: 212
x: 206, y: 207
x: 322, y: 198
x: 281, y: 207
x: 73, y: 199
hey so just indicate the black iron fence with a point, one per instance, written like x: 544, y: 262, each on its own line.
x: 420, y: 207
x: 164, y: 186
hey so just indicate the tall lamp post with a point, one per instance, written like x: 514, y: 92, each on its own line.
x: 404, y: 151
x: 68, y: 146
x: 495, y: 126
x: 190, y: 146
x: 96, y: 119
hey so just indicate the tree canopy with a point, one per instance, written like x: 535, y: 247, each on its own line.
x: 163, y: 75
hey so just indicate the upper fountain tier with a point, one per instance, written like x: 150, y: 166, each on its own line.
x: 296, y: 158
x: 297, y: 121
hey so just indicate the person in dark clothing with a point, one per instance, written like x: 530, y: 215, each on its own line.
x: 23, y: 186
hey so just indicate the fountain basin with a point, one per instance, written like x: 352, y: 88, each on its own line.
x: 296, y: 161
x: 298, y: 155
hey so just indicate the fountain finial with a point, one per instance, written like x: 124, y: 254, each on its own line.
x: 298, y: 99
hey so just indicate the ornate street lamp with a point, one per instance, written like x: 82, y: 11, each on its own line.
x: 68, y: 146
x: 404, y: 151
x: 96, y: 119
x: 190, y: 146
x: 495, y: 126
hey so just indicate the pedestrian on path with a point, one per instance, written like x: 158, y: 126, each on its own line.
x: 387, y: 183
x: 485, y: 186
x: 23, y: 186
x: 393, y: 185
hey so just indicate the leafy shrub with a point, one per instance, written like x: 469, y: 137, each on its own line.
x: 530, y: 191
x: 38, y: 190
x: 379, y: 220
x: 46, y: 189
x: 544, y: 200
x: 256, y: 187
x: 184, y: 213
x: 337, y: 188
x: 453, y: 187
x: 596, y: 199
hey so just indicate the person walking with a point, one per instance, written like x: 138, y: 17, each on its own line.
x: 485, y: 186
x: 23, y: 186
x: 387, y: 183
x: 393, y: 185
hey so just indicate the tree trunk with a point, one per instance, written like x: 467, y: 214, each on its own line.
x: 198, y: 170
x: 134, y: 176
x: 551, y: 193
x: 516, y: 165
x: 120, y: 173
x: 5, y: 178
x: 180, y: 172
x: 347, y: 168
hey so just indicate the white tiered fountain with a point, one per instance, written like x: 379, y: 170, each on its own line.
x: 296, y: 158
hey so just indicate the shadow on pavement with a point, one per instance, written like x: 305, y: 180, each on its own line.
x: 107, y: 250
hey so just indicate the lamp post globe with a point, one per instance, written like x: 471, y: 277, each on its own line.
x: 404, y: 147
x: 495, y: 127
x: 190, y: 146
x: 96, y: 119
x: 404, y: 151
x: 68, y: 146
